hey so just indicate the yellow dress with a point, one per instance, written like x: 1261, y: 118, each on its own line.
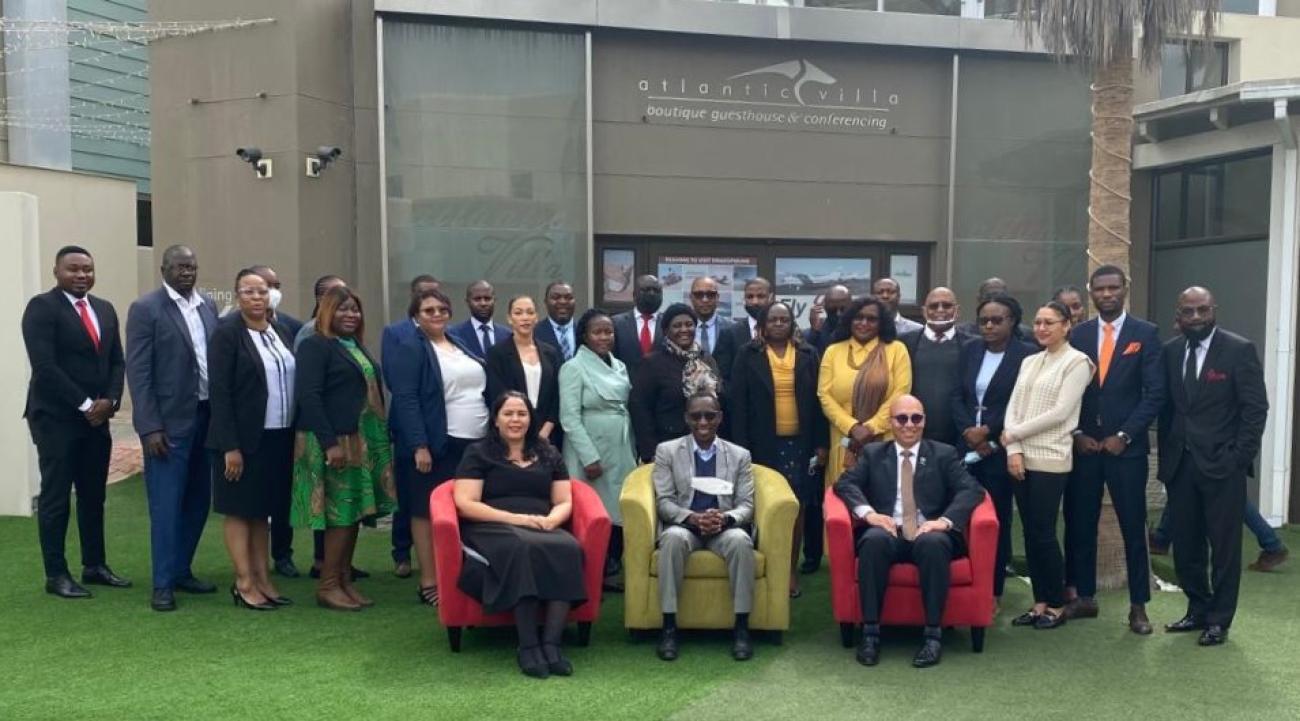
x: 835, y: 391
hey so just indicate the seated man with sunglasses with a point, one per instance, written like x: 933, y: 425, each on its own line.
x: 914, y: 498
x: 704, y: 496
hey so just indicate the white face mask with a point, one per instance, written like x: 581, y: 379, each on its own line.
x: 276, y: 297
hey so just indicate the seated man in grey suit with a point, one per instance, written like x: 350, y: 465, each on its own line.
x: 704, y: 493
x: 912, y: 511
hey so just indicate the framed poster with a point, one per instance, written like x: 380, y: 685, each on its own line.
x: 677, y: 272
x: 618, y: 275
x: 905, y: 268
x: 803, y: 282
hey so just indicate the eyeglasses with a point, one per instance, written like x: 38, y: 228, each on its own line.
x: 1046, y: 323
x: 254, y: 292
x: 1188, y: 311
x: 916, y: 419
x: 704, y: 294
x: 703, y: 415
x: 866, y: 318
x: 435, y: 311
x: 992, y: 320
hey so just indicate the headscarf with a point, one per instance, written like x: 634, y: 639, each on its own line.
x: 697, y: 375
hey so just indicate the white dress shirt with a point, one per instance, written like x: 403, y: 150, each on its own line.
x: 278, y: 365
x: 1201, y: 349
x: 753, y: 326
x: 478, y: 334
x: 934, y: 337
x: 94, y: 319
x: 712, y: 325
x: 189, y: 308
x: 863, y: 510
x: 1116, y: 325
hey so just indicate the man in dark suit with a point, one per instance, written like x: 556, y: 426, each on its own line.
x: 710, y: 331
x: 1110, y: 445
x: 479, y: 332
x: 557, y: 329
x: 167, y: 334
x: 935, y: 350
x: 636, y: 331
x: 835, y: 302
x: 758, y: 295
x: 1210, y: 431
x: 914, y: 499
x: 76, y: 386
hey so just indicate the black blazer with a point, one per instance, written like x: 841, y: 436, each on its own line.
x: 752, y: 400
x: 505, y: 372
x: 998, y: 394
x: 724, y: 348
x: 657, y: 404
x: 1135, y: 383
x: 331, y: 388
x: 66, y: 368
x: 940, y: 482
x: 1223, y: 423
x: 237, y: 385
x: 627, y: 341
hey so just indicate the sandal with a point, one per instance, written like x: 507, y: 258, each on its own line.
x: 1028, y: 618
x: 429, y: 595
x: 1049, y: 620
x: 796, y: 592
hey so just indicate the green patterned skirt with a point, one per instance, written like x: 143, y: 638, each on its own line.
x: 360, y: 492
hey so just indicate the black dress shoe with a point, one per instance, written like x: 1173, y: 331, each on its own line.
x: 280, y: 600
x: 242, y: 602
x: 1082, y: 607
x: 1185, y: 624
x: 1047, y: 621
x: 194, y: 585
x: 103, y: 576
x: 869, y: 650
x: 929, y: 655
x: 285, y: 567
x: 742, y: 649
x: 1137, y: 620
x: 164, y: 599
x: 64, y: 587
x: 556, y: 663
x: 531, y: 662
x: 1213, y: 635
x: 810, y: 566
x: 315, y: 570
x: 667, y: 650
x: 1028, y: 618
x: 358, y: 574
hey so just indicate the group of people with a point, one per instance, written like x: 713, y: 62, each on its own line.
x: 278, y: 424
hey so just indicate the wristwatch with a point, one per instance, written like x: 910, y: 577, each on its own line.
x: 1125, y: 437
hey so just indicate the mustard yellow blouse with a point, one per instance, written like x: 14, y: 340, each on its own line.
x: 835, y: 391
x: 787, y: 411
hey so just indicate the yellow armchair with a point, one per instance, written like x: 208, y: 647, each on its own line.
x: 705, y: 596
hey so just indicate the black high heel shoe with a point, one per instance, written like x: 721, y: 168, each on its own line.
x: 242, y: 602
x: 280, y: 600
x: 531, y: 662
x: 556, y: 663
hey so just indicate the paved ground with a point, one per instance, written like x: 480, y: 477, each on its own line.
x: 126, y: 460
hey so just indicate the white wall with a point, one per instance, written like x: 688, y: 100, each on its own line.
x: 19, y: 279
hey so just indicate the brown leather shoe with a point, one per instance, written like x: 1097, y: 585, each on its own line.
x: 1137, y: 620
x: 1269, y: 560
x: 1082, y: 607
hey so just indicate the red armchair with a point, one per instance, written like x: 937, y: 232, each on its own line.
x: 589, y: 523
x: 970, y: 598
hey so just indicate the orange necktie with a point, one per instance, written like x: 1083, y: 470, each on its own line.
x: 1107, y: 350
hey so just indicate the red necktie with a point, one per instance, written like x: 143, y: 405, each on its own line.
x: 84, y: 311
x: 645, y: 334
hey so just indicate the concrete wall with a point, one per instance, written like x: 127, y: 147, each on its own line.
x: 204, y: 196
x: 1265, y: 47
x: 20, y: 227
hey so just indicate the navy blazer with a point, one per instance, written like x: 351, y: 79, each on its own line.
x: 942, y: 486
x: 545, y: 333
x: 996, y: 396
x: 1135, y: 383
x: 417, y: 414
x: 162, y: 371
x: 470, y: 342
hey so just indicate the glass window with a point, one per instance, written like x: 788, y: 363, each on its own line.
x: 928, y: 7
x: 1226, y: 198
x: 1001, y: 8
x: 1249, y: 7
x: 1186, y: 67
x: 485, y: 150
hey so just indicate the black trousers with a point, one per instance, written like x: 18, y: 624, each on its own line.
x: 72, y: 455
x: 281, y: 535
x: 992, y: 474
x: 813, y: 521
x: 932, y: 553
x: 1126, y: 478
x: 1207, y: 511
x: 1039, y: 499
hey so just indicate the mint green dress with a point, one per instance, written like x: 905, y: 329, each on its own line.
x: 597, y: 427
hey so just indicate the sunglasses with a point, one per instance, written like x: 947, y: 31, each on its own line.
x: 703, y: 415
x: 866, y: 319
x: 916, y: 419
x: 991, y: 320
x: 941, y: 305
x: 703, y: 294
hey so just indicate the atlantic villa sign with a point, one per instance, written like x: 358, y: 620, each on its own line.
x: 794, y: 94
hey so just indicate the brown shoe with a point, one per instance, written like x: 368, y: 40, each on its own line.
x: 1082, y: 607
x: 329, y: 591
x: 1269, y: 560
x: 345, y: 570
x: 1137, y: 620
x: 402, y: 569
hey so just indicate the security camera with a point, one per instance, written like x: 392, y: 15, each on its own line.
x: 323, y: 156
x: 253, y: 156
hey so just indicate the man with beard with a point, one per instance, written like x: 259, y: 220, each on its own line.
x: 758, y: 295
x: 557, y: 329
x: 1110, y: 445
x: 635, y: 331
x: 936, y: 355
x: 1210, y: 431
x: 709, y: 332
x: 837, y: 299
x: 889, y: 292
x: 479, y: 333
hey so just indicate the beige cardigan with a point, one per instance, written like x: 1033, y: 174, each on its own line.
x: 1044, y: 408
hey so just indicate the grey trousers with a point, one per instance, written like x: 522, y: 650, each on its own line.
x: 676, y: 544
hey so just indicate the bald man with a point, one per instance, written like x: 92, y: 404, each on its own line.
x: 936, y: 357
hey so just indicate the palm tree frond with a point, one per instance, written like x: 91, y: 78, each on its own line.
x: 1096, y: 32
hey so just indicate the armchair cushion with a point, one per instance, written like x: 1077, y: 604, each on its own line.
x: 703, y: 564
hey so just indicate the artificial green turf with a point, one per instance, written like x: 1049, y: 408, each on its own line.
x: 113, y: 658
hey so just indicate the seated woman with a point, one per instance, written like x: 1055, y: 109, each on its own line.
x: 512, y: 493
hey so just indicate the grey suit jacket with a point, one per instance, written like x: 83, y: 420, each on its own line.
x: 161, y: 368
x: 674, y: 468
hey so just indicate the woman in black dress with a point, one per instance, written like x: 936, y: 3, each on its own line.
x: 675, y: 370
x: 512, y: 494
x: 250, y: 381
